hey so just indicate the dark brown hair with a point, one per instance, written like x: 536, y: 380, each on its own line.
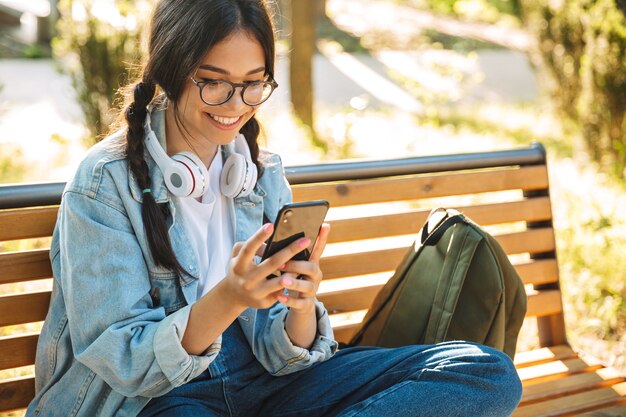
x: 181, y: 34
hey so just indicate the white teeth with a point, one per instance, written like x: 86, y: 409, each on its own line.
x: 224, y: 120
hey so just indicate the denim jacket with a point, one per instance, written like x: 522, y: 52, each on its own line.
x: 108, y: 343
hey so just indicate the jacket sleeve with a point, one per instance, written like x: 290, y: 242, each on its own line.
x: 115, y: 329
x: 274, y: 339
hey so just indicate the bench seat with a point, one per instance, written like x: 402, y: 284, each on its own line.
x: 377, y: 207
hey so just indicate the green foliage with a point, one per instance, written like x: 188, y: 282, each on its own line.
x: 12, y: 165
x: 581, y: 45
x: 99, y: 51
x: 593, y: 271
x: 34, y: 51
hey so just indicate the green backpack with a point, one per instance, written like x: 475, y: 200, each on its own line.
x: 456, y: 283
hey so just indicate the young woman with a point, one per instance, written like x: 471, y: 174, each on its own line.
x: 160, y: 306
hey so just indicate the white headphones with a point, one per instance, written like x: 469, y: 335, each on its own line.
x: 186, y: 176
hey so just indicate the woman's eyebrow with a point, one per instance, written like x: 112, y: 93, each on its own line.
x: 223, y: 71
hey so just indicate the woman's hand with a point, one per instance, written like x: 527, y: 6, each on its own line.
x: 304, y: 277
x: 301, y: 322
x: 247, y: 282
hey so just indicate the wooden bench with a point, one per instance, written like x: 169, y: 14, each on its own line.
x: 377, y: 207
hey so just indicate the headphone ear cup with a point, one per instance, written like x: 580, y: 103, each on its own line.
x: 177, y: 179
x: 175, y: 175
x: 239, y: 174
x: 194, y: 179
x: 233, y: 177
x: 184, y: 173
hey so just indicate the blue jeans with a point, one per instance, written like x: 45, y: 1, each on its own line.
x: 448, y: 379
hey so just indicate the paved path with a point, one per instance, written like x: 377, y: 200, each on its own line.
x: 402, y: 23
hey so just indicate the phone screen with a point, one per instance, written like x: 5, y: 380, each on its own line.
x: 295, y: 221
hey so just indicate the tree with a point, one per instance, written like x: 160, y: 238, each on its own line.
x: 302, y: 53
x: 98, y: 54
x: 582, y: 45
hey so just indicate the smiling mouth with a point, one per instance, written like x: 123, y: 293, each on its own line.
x: 226, y: 121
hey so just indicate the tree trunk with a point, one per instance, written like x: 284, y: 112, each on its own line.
x: 303, y: 17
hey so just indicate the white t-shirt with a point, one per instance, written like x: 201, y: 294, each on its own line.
x: 209, y: 225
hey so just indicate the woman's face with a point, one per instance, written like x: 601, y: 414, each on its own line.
x: 239, y: 58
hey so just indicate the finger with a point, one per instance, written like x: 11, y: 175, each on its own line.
x: 262, y: 289
x: 320, y: 244
x: 295, y: 303
x: 280, y: 258
x: 306, y: 288
x: 272, y: 286
x: 252, y: 245
x: 308, y: 269
x: 236, y: 249
x: 261, y: 250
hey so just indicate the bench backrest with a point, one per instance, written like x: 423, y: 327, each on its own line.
x: 377, y: 207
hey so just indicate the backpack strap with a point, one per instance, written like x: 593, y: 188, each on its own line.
x: 458, y: 261
x: 450, y: 218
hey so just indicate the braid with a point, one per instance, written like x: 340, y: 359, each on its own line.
x: 251, y: 132
x: 136, y: 114
x: 154, y: 217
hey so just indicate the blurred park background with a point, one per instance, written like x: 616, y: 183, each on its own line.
x: 376, y: 79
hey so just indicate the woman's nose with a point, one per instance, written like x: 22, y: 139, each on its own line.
x: 236, y: 101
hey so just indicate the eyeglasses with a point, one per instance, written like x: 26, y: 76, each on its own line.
x: 216, y: 92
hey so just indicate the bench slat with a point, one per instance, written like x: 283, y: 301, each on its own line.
x: 16, y: 393
x: 425, y: 186
x: 18, y: 350
x: 345, y: 324
x: 575, y: 403
x: 542, y: 303
x: 533, y: 241
x: 616, y: 411
x: 24, y: 308
x: 27, y: 223
x: 349, y: 300
x: 529, y: 241
x: 557, y: 369
x: 536, y: 271
x: 539, y: 271
x: 346, y: 230
x: 604, y: 377
x: 25, y: 266
x: 361, y: 263
x: 543, y: 355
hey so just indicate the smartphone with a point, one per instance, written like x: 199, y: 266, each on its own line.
x: 295, y: 221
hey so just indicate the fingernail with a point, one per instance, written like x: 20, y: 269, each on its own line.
x: 287, y: 281
x: 267, y: 227
x: 304, y: 242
